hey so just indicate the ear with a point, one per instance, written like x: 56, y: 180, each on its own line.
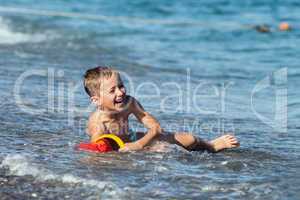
x: 95, y: 100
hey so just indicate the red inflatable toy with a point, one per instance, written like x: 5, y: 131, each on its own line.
x: 103, y: 143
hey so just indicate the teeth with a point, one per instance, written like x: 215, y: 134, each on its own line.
x: 119, y: 101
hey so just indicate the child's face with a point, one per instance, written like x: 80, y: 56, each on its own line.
x: 112, y: 94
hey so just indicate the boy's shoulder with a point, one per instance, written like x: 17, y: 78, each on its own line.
x: 95, y: 116
x: 132, y: 100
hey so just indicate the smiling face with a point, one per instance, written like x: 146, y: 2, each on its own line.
x: 112, y: 95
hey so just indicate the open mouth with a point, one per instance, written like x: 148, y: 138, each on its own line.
x: 119, y: 101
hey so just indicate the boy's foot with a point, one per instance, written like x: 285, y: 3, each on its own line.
x: 224, y: 142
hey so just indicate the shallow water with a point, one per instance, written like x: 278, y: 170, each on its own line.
x: 178, y: 46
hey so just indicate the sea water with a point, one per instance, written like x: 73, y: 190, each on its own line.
x: 197, y: 66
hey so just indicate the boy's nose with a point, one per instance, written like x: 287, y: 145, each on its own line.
x: 119, y: 92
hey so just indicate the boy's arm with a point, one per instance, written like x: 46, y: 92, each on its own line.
x: 149, y: 122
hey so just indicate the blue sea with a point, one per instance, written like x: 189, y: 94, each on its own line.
x: 197, y: 66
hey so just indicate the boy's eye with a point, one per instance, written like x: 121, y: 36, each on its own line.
x: 112, y: 91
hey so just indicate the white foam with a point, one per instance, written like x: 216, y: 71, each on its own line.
x: 20, y: 165
x: 8, y: 36
x: 129, y: 21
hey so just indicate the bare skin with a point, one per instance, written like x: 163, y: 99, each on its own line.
x: 224, y: 142
x: 114, y: 108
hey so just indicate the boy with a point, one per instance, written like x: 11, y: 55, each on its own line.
x: 107, y: 92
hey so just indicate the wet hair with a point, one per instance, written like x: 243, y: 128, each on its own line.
x: 92, y: 79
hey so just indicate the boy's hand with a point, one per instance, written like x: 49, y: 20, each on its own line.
x: 131, y: 146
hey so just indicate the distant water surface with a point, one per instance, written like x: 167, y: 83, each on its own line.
x: 185, y: 42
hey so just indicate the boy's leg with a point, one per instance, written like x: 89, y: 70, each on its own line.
x: 192, y: 143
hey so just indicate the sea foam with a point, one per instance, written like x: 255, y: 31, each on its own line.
x: 8, y: 36
x: 20, y: 165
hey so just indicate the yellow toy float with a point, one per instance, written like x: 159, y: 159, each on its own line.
x: 103, y: 143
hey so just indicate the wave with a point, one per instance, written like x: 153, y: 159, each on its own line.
x: 8, y: 36
x: 20, y: 165
x: 116, y: 19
